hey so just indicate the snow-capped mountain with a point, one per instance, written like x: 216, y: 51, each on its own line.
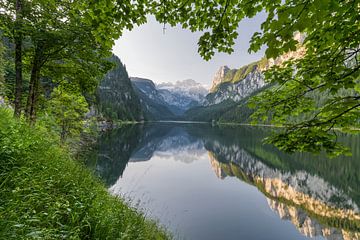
x: 152, y: 103
x: 183, y: 94
x: 176, y: 97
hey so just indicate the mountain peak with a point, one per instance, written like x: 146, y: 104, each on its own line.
x: 143, y: 81
x: 219, y: 77
x: 175, y: 97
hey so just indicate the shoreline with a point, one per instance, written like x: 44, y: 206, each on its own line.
x: 43, y: 182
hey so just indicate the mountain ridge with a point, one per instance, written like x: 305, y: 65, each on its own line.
x: 171, y: 99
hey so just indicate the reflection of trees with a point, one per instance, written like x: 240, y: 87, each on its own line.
x: 325, y: 191
x: 138, y: 143
x: 113, y: 151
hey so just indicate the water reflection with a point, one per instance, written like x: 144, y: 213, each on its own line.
x: 319, y: 196
x: 113, y: 151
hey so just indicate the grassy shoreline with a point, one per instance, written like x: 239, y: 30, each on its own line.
x: 45, y: 194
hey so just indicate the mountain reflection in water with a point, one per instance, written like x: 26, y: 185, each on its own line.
x: 319, y: 196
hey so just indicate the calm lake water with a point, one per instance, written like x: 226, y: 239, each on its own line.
x: 205, y: 182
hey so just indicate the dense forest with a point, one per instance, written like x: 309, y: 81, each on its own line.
x: 116, y: 99
x: 53, y: 47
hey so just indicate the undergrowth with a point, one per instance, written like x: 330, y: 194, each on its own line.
x: 45, y: 194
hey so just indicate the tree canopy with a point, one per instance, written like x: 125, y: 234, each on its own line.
x: 331, y: 30
x: 67, y: 41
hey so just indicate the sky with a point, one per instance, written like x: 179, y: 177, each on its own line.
x: 149, y: 53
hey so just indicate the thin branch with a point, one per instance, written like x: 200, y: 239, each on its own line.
x: 223, y: 14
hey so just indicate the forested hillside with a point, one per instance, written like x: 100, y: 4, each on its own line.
x: 117, y: 99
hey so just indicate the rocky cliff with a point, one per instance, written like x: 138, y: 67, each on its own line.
x: 231, y: 89
x: 237, y: 91
x: 237, y: 84
x: 219, y: 77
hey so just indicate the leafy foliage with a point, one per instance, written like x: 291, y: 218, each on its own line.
x: 68, y: 110
x: 2, y: 69
x: 330, y: 64
x: 66, y: 41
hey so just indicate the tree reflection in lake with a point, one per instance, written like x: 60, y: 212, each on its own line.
x: 320, y: 196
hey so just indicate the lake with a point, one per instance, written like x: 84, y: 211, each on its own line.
x: 211, y: 182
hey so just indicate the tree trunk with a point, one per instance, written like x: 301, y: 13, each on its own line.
x: 33, y: 77
x: 31, y: 105
x: 63, y: 133
x: 34, y: 99
x: 18, y: 58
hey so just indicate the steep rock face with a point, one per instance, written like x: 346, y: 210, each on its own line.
x: 237, y: 84
x: 148, y: 87
x: 237, y: 91
x: 219, y: 77
x: 116, y: 96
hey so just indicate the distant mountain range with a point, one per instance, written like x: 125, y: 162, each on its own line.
x: 168, y: 101
x: 227, y: 98
x: 231, y: 89
x: 188, y: 100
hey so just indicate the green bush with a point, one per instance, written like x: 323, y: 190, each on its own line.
x: 45, y: 194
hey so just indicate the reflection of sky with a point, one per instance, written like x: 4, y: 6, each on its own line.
x: 193, y: 202
x: 185, y: 153
x: 177, y: 144
x: 187, y: 156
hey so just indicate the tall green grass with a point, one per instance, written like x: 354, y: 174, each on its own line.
x: 44, y: 194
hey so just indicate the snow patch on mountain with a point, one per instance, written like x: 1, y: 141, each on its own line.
x: 183, y: 94
x: 177, y: 97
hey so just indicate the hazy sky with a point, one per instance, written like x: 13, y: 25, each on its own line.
x: 172, y: 56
